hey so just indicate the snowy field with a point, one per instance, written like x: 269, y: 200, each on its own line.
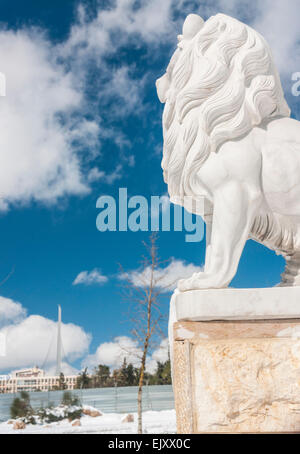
x: 154, y: 422
x: 113, y: 403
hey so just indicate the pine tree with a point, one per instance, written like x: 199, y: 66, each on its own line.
x: 84, y: 380
x: 102, y: 374
x: 62, y: 384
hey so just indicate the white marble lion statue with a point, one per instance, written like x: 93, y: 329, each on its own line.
x: 229, y: 139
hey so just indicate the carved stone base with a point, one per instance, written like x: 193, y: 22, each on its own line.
x: 237, y: 376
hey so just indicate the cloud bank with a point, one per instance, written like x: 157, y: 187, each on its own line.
x: 31, y: 340
x: 51, y: 119
x: 10, y: 311
x: 113, y: 354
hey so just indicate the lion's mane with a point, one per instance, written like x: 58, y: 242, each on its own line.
x: 223, y: 82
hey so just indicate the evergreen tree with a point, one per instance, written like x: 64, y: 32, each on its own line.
x: 166, y: 375
x: 62, y: 384
x: 131, y: 375
x: 102, y: 375
x: 83, y: 380
x: 20, y: 406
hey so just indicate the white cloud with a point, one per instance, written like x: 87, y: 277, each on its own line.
x: 279, y: 23
x: 10, y: 311
x: 95, y: 174
x: 66, y: 369
x: 33, y: 341
x: 110, y: 178
x: 90, y: 277
x: 128, y: 90
x: 38, y: 160
x: 42, y: 117
x: 151, y: 21
x: 165, y: 278
x: 113, y: 353
x: 161, y: 354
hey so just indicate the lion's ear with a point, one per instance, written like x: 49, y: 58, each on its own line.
x: 192, y: 25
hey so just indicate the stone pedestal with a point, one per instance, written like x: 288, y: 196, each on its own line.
x: 236, y: 375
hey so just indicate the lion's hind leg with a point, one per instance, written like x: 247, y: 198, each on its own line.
x: 280, y: 234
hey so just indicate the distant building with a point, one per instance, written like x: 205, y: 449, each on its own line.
x: 33, y: 380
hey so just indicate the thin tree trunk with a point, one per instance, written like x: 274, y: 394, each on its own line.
x: 140, y: 390
x: 144, y: 334
x: 146, y: 345
x: 140, y: 400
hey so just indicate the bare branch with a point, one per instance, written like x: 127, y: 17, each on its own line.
x: 143, y: 297
x: 8, y: 276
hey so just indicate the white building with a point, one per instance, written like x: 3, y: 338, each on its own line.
x: 33, y: 380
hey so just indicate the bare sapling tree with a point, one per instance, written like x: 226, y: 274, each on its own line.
x: 143, y: 290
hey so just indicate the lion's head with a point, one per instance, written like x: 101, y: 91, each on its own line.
x: 220, y: 83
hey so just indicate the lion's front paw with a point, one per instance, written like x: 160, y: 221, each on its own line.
x: 201, y: 281
x: 183, y: 285
x: 192, y: 283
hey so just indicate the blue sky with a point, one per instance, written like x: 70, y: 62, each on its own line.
x: 81, y: 89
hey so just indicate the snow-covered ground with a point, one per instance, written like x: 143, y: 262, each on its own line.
x: 154, y: 422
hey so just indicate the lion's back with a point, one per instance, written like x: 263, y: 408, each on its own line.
x: 284, y: 130
x: 281, y: 166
